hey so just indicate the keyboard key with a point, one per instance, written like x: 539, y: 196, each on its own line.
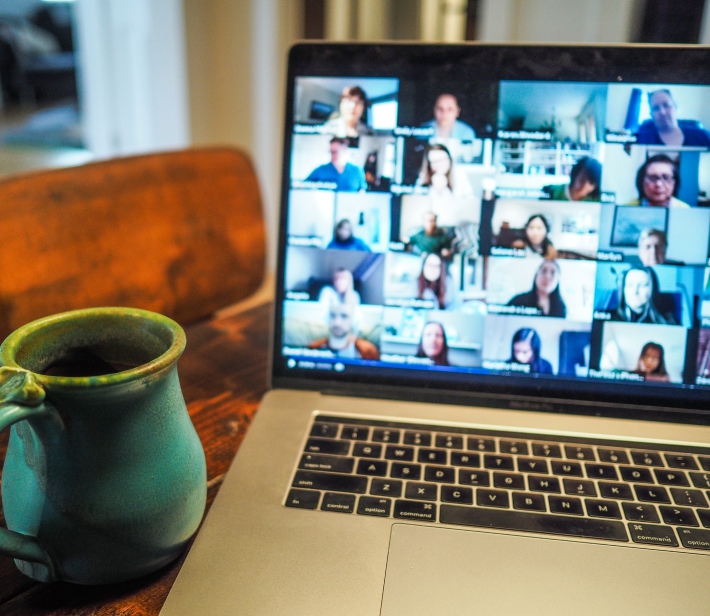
x: 700, y: 480
x: 645, y: 458
x: 545, y: 450
x: 401, y: 470
x: 363, y: 450
x: 670, y: 478
x: 325, y: 430
x: 472, y: 460
x: 576, y: 452
x: 492, y: 498
x: 474, y: 478
x: 528, y: 502
x: 448, y: 441
x: 500, y: 463
x: 509, y: 481
x: 385, y: 435
x: 694, y: 538
x: 320, y: 445
x: 355, y: 433
x: 680, y: 516
x: 514, y: 447
x: 330, y: 481
x: 367, y: 505
x: 342, y: 503
x: 690, y: 498
x: 534, y: 522
x: 432, y: 456
x: 533, y: 465
x: 615, y: 490
x: 652, y: 534
x: 636, y: 512
x: 482, y: 444
x: 614, y: 456
x: 651, y: 494
x: 393, y: 452
x: 441, y: 474
x: 602, y: 508
x: 566, y: 504
x: 303, y: 499
x: 567, y: 469
x: 333, y: 464
x: 580, y: 487
x: 704, y: 462
x: 423, y: 439
x: 636, y: 474
x: 413, y: 510
x: 374, y: 468
x: 421, y: 491
x: 543, y: 484
x: 601, y: 471
x: 704, y: 516
x: 462, y: 496
x: 386, y: 487
x: 675, y: 460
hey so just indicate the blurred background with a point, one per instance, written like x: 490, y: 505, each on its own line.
x: 92, y: 79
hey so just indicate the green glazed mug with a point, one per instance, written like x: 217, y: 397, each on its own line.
x: 105, y: 477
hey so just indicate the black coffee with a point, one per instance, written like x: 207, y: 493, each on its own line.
x: 84, y: 362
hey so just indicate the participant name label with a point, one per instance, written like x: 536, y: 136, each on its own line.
x: 497, y: 251
x: 531, y: 135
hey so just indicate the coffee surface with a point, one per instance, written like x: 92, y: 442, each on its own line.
x: 84, y: 362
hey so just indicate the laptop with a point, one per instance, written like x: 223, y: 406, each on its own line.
x: 491, y: 352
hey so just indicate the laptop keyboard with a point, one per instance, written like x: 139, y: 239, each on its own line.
x: 598, y: 489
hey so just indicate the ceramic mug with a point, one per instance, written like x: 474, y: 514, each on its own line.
x: 104, y: 478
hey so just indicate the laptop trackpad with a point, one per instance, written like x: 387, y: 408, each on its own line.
x: 446, y: 571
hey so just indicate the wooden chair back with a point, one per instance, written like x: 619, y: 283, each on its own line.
x: 180, y: 233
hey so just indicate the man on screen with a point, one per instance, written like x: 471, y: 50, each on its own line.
x: 341, y: 339
x: 346, y: 176
x: 432, y: 238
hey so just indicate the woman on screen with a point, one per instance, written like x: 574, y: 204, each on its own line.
x: 342, y: 291
x: 433, y: 344
x: 584, y: 181
x: 545, y: 292
x: 525, y: 349
x: 639, y: 298
x: 432, y: 281
x: 347, y: 121
x: 651, y: 364
x: 437, y: 167
x: 536, y: 241
x: 657, y: 182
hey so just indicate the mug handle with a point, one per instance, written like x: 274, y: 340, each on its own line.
x: 21, y: 397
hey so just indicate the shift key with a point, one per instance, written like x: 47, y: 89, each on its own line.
x: 330, y: 481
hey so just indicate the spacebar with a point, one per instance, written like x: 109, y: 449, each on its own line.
x: 533, y: 522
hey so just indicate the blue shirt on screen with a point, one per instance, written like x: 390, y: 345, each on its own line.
x: 351, y: 179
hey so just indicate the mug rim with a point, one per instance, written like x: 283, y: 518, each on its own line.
x: 13, y: 342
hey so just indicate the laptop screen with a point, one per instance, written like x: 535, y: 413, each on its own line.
x: 527, y: 221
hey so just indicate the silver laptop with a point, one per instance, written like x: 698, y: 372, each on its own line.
x: 491, y: 360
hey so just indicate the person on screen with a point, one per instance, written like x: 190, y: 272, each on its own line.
x: 638, y: 298
x: 432, y: 283
x: 343, y: 238
x: 432, y: 238
x: 525, y: 349
x: 446, y: 121
x: 584, y: 182
x: 651, y: 363
x: 652, y: 248
x: 346, y: 176
x: 658, y: 182
x: 436, y: 172
x: 536, y: 241
x: 433, y: 344
x: 664, y: 128
x: 341, y: 338
x: 545, y: 292
x: 347, y: 121
x: 342, y: 291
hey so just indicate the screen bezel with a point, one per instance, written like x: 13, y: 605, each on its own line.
x: 490, y: 63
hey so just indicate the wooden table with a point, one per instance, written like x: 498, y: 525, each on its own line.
x: 223, y: 373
